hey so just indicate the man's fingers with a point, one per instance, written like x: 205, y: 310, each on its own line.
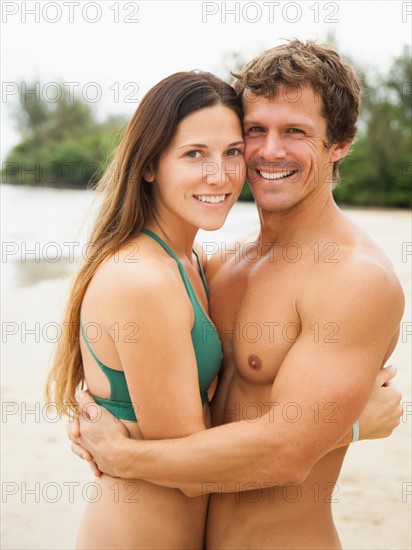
x: 81, y: 452
x: 73, y: 427
x: 385, y: 375
x: 95, y: 469
x: 88, y: 408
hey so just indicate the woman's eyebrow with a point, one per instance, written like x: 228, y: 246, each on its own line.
x: 241, y: 142
x: 193, y: 145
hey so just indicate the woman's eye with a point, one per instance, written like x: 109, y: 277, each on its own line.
x: 193, y: 154
x: 234, y: 152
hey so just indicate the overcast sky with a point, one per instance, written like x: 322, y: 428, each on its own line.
x: 110, y: 52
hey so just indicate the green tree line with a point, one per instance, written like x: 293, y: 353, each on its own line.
x: 378, y: 171
x: 62, y: 142
x: 63, y: 145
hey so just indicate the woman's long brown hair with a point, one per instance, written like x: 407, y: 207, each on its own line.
x: 127, y: 204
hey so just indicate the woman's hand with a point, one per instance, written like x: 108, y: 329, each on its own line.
x: 94, y: 433
x: 383, y: 411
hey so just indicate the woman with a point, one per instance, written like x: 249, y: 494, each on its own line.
x: 146, y: 348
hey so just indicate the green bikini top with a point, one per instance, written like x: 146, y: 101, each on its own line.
x: 206, y: 344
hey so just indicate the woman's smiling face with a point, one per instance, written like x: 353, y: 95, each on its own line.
x: 200, y: 174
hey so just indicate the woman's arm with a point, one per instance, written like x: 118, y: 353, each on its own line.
x: 159, y: 360
x: 154, y: 318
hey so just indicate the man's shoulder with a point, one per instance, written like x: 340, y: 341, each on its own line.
x: 227, y: 252
x: 349, y: 250
x: 361, y: 277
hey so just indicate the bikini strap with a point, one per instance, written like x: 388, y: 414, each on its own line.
x: 162, y: 243
x: 202, y: 274
x: 179, y: 263
x: 115, y: 377
x: 101, y: 365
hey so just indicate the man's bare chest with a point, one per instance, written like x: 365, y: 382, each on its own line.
x: 254, y: 310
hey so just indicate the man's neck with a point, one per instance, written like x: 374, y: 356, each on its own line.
x: 307, y: 221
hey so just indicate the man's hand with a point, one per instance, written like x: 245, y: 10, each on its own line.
x: 73, y: 431
x: 94, y: 434
x: 383, y: 411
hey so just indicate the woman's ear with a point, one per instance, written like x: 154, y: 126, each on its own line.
x: 148, y: 174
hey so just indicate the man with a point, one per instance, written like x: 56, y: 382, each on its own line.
x: 306, y: 317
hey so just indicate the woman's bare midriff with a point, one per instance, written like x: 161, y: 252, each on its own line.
x: 132, y: 513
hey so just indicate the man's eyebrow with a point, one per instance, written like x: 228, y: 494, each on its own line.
x: 300, y: 123
x: 291, y: 124
x: 251, y: 121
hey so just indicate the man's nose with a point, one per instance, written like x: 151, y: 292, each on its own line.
x: 273, y: 147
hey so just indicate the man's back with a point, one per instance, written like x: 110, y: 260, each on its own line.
x: 267, y: 302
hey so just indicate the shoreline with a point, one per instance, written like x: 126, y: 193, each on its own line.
x: 90, y: 188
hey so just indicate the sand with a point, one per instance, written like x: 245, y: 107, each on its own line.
x: 45, y: 488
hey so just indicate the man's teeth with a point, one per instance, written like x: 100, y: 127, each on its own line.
x: 210, y: 198
x: 275, y: 175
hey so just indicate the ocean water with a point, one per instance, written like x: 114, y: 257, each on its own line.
x: 35, y: 225
x: 44, y: 231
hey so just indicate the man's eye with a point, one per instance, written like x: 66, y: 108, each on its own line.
x: 254, y: 129
x: 193, y: 154
x: 295, y: 131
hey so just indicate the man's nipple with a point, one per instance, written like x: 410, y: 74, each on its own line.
x: 254, y: 362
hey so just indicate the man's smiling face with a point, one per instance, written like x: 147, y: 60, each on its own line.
x: 285, y: 150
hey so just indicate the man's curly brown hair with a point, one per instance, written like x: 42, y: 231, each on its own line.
x: 296, y: 64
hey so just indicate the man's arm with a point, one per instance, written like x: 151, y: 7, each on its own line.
x: 274, y: 450
x: 104, y: 435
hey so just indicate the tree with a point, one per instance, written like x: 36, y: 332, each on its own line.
x: 62, y: 144
x: 379, y: 170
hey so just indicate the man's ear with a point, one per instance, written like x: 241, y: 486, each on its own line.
x: 340, y: 150
x: 149, y: 174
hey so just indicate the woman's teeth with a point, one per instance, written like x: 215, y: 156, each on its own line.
x: 210, y: 198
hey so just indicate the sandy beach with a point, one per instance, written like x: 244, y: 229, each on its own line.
x: 45, y: 488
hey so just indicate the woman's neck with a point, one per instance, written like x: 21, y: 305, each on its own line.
x: 177, y: 234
